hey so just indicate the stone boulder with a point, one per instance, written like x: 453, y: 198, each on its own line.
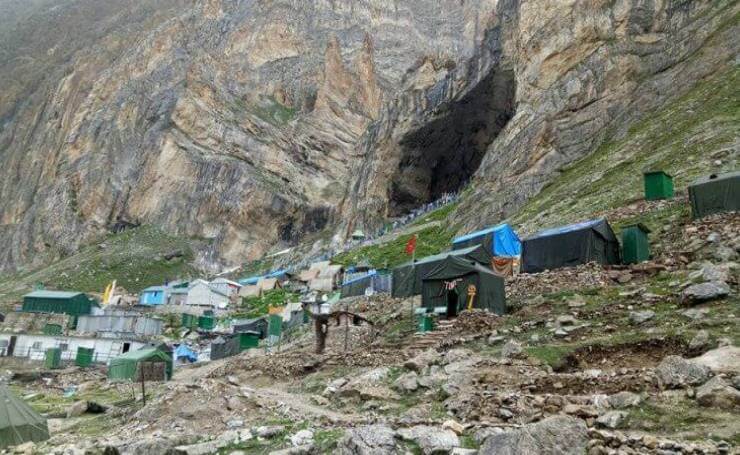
x: 431, y: 440
x: 701, y: 340
x: 675, y: 372
x: 408, y: 382
x: 623, y: 400
x: 423, y: 360
x: 641, y: 317
x: 725, y: 360
x: 368, y: 440
x: 302, y: 438
x: 558, y: 435
x: 76, y: 409
x: 512, y: 349
x: 611, y: 419
x: 718, y: 393
x: 705, y: 292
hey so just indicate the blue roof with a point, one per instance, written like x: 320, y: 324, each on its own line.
x: 505, y: 242
x: 373, y: 273
x: 569, y: 228
x: 480, y: 233
x: 155, y: 289
x: 255, y: 279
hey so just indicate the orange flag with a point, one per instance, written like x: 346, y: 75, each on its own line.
x: 411, y: 245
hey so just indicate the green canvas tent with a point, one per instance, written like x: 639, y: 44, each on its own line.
x: 407, y: 278
x: 18, y: 422
x: 124, y: 366
x: 715, y: 194
x: 448, y: 284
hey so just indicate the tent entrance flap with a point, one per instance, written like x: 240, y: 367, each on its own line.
x: 452, y: 302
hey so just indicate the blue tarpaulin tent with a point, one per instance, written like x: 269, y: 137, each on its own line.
x: 185, y: 353
x: 500, y: 240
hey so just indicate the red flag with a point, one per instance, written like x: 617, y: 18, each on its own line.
x: 411, y: 245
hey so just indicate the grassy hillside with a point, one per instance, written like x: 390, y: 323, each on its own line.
x: 692, y: 136
x: 136, y: 258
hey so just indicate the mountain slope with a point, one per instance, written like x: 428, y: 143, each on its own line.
x: 256, y: 125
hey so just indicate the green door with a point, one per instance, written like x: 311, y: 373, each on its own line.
x: 84, y: 357
x: 635, y: 244
x: 248, y: 341
x: 53, y: 358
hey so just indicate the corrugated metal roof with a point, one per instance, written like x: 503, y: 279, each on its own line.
x: 569, y: 228
x: 155, y: 289
x: 42, y: 294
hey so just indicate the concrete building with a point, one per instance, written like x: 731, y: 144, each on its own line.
x: 33, y: 347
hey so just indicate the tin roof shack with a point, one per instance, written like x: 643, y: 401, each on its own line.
x: 225, y: 286
x: 153, y: 295
x: 329, y: 278
x: 202, y: 294
x: 257, y: 325
x: 118, y: 325
x: 59, y: 302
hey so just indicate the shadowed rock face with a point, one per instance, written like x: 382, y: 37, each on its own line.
x: 256, y: 123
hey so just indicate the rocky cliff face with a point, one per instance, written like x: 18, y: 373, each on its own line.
x: 256, y: 123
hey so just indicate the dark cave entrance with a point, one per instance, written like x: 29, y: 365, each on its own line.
x: 443, y: 155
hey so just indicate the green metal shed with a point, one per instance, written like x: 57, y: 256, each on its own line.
x: 658, y: 185
x: 59, y: 302
x: 124, y: 366
x: 249, y: 340
x: 206, y: 322
x: 275, y: 325
x: 53, y: 359
x: 635, y: 243
x: 84, y: 357
x: 189, y: 321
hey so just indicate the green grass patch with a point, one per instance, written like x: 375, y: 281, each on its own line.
x: 680, y: 139
x: 326, y: 441
x: 553, y: 355
x: 254, y: 307
x: 429, y: 241
x: 439, y: 214
x: 136, y: 259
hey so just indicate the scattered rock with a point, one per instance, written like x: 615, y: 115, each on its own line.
x: 495, y: 339
x: 640, y: 317
x: 432, y: 440
x: 368, y: 440
x: 302, y: 438
x: 705, y: 292
x: 552, y: 436
x: 700, y: 341
x: 76, y: 409
x: 268, y: 432
x: 675, y: 371
x: 611, y: 419
x: 718, y: 393
x: 456, y: 427
x: 696, y: 313
x: 408, y: 382
x: 623, y: 400
x: 511, y: 349
x: 725, y: 360
x: 423, y: 360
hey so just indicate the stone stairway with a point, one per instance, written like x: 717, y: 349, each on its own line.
x: 443, y: 330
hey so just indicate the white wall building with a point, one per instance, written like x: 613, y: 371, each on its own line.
x: 34, y: 347
x: 225, y: 286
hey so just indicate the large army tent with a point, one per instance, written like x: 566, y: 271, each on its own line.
x: 500, y: 240
x: 124, y: 366
x: 407, y: 277
x: 18, y: 422
x: 567, y: 246
x: 715, y: 194
x: 449, y: 283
